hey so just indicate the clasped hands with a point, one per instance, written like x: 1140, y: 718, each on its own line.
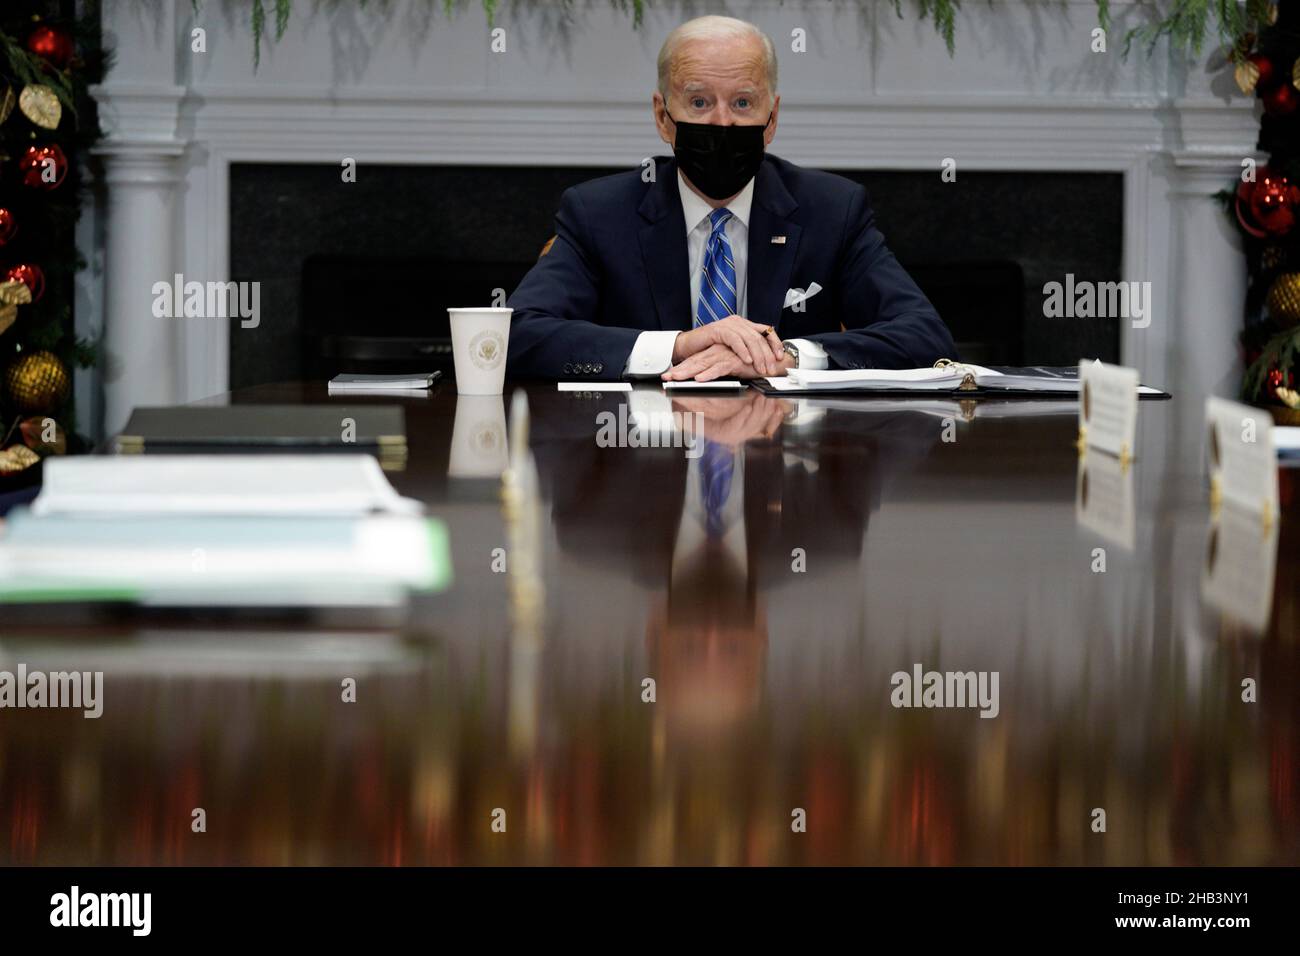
x: 728, y: 348
x: 734, y: 421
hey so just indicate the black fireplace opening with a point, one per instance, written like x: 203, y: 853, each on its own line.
x: 358, y: 276
x: 405, y: 301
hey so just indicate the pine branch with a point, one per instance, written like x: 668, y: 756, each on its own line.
x: 944, y: 15
x: 259, y: 27
x: 282, y: 8
x: 31, y: 69
x: 1185, y: 23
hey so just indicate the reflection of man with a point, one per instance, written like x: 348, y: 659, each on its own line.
x: 710, y: 538
x: 809, y: 480
x: 708, y: 636
x: 727, y: 262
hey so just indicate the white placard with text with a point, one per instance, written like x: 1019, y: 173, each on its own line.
x: 1240, y: 565
x: 1240, y: 455
x: 1103, y: 501
x: 1108, y: 396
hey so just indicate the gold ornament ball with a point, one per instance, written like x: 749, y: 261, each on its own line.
x: 1284, y: 299
x: 37, y: 382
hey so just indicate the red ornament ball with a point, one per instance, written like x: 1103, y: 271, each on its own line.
x: 1273, y: 204
x: 1274, y: 380
x: 29, y: 275
x: 1267, y: 207
x: 8, y: 226
x: 1281, y: 100
x: 1266, y: 71
x: 43, y: 167
x: 52, y: 44
x: 1242, y: 207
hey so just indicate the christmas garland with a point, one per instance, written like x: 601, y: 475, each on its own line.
x: 1265, y: 206
x: 1185, y: 23
x: 48, y: 57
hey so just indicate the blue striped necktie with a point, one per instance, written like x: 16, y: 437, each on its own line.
x: 718, y: 285
x: 717, y: 465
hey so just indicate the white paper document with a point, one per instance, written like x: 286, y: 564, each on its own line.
x: 349, y: 382
x: 218, y: 485
x: 951, y: 377
x: 594, y: 386
x: 717, y: 384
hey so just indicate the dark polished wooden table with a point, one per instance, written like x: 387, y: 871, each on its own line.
x: 860, y: 538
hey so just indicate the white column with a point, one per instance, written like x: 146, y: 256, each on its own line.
x: 1209, y: 284
x: 139, y: 109
x: 141, y: 352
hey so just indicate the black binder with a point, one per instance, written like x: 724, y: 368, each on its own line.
x: 968, y: 389
x: 180, y: 429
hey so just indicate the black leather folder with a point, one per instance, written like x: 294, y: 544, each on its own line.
x: 179, y: 429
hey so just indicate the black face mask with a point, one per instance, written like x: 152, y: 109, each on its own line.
x: 719, y: 160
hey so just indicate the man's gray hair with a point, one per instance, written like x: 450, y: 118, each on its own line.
x: 713, y: 28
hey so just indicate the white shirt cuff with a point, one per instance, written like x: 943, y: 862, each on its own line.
x: 811, y: 355
x: 651, y: 411
x: 805, y: 413
x: 652, y: 354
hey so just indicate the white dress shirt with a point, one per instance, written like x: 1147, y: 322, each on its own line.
x: 653, y: 352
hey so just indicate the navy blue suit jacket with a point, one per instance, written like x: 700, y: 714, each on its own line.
x: 618, y: 266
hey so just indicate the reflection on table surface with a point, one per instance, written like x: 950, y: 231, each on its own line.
x: 763, y: 576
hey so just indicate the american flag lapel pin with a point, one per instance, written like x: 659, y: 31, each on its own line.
x: 778, y: 240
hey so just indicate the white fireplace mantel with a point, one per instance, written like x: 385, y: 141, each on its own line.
x: 400, y: 83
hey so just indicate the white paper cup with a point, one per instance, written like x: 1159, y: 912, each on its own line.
x: 478, y: 438
x: 478, y: 346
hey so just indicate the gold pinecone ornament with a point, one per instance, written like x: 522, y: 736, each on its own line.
x: 1284, y: 299
x: 36, y: 382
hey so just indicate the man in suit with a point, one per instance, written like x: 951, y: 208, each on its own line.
x: 722, y: 261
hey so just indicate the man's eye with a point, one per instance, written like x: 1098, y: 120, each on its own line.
x: 742, y: 103
x: 698, y: 102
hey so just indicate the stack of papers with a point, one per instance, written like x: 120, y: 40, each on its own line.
x: 383, y: 384
x: 953, y: 377
x: 954, y: 409
x: 933, y: 379
x: 338, y: 485
x: 221, y: 530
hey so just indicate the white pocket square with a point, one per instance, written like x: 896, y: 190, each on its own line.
x: 795, y: 296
